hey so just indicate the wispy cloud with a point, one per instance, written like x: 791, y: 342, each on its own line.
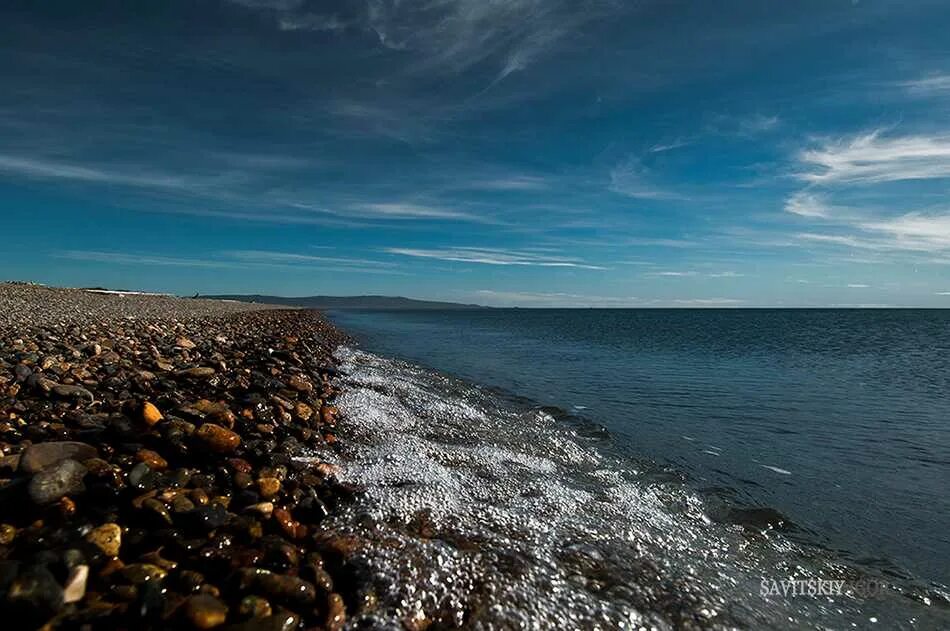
x: 515, y: 183
x: 236, y: 260
x: 709, y: 302
x: 407, y: 210
x: 858, y: 286
x: 807, y: 204
x: 671, y: 273
x: 121, y: 258
x: 51, y: 169
x: 915, y: 231
x: 449, y: 36
x: 873, y: 158
x: 633, y: 179
x: 927, y: 86
x: 493, y: 256
x: 727, y: 274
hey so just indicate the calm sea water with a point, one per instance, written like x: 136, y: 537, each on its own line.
x: 831, y: 425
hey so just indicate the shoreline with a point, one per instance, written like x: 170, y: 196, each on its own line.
x: 155, y: 465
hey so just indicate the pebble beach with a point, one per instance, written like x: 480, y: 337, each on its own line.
x: 153, y: 470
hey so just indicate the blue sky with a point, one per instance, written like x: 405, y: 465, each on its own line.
x: 525, y: 152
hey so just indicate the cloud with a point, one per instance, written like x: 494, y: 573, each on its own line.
x: 725, y: 275
x: 121, y: 258
x: 555, y: 299
x: 943, y: 293
x: 632, y: 179
x: 516, y: 183
x: 235, y: 259
x: 404, y: 210
x: 493, y: 256
x: 873, y: 159
x: 758, y: 124
x: 858, y: 286
x: 914, y: 231
x: 50, y: 169
x: 927, y: 86
x: 448, y: 37
x: 669, y: 146
x: 807, y: 204
x: 709, y: 302
x: 675, y: 274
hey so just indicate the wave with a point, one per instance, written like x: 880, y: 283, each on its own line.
x: 489, y: 513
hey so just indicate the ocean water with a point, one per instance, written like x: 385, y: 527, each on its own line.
x: 665, y: 468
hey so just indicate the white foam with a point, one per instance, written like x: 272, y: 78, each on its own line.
x: 497, y: 517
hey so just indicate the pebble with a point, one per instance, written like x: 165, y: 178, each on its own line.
x: 63, y: 478
x: 150, y: 414
x: 217, y: 438
x: 200, y: 372
x: 107, y: 537
x: 41, y: 455
x: 144, y: 518
x: 204, y: 611
x: 75, y: 588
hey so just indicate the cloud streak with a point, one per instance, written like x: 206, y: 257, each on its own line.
x: 493, y: 256
x: 873, y: 159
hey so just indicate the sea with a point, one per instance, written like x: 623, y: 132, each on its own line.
x: 649, y: 468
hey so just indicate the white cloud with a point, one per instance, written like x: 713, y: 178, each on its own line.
x: 51, y: 169
x: 873, y: 158
x: 725, y: 275
x: 633, y: 179
x: 943, y: 293
x: 858, y: 286
x: 807, y: 204
x: 914, y: 231
x: 709, y: 302
x: 493, y: 256
x: 236, y: 259
x: 121, y: 258
x: 405, y: 210
x: 515, y: 183
x: 676, y: 274
x: 927, y: 86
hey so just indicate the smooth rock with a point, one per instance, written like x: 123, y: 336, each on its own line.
x: 199, y: 372
x: 218, y: 439
x: 184, y: 342
x: 107, y: 537
x: 268, y: 487
x: 75, y: 588
x: 204, y: 611
x: 58, y: 480
x: 34, y: 596
x: 72, y: 392
x: 151, y: 414
x: 41, y: 455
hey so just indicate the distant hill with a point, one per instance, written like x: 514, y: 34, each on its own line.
x: 348, y: 302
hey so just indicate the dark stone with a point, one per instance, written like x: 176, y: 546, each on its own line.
x: 34, y: 596
x: 63, y: 478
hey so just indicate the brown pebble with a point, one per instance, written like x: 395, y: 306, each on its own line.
x: 7, y: 534
x: 303, y: 411
x: 255, y: 607
x: 268, y: 487
x: 204, y: 611
x: 336, y: 613
x: 153, y: 459
x: 150, y: 414
x: 200, y: 372
x: 184, y: 342
x: 107, y: 537
x: 218, y: 439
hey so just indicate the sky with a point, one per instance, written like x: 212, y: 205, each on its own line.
x: 599, y: 153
